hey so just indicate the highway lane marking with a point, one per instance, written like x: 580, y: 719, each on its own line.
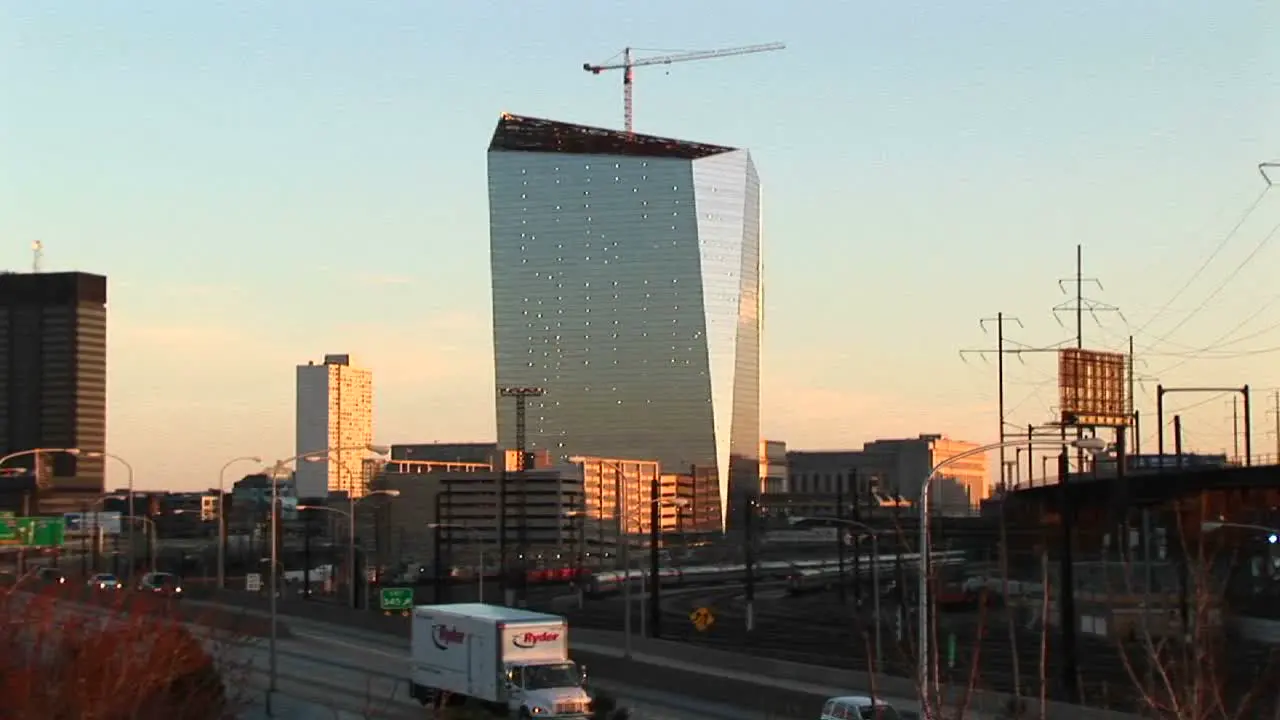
x: 354, y: 646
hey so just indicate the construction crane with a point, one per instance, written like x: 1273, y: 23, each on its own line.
x: 629, y: 64
x: 37, y: 255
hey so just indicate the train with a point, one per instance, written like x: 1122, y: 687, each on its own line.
x: 807, y: 580
x: 801, y: 574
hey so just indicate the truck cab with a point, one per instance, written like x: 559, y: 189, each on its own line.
x: 550, y: 690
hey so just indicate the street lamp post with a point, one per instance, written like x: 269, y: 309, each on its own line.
x: 129, y: 471
x: 350, y: 515
x: 1090, y: 444
x: 222, y: 517
x: 150, y: 526
x: 653, y: 581
x: 875, y: 577
x: 37, y: 452
x: 475, y: 537
x: 273, y: 661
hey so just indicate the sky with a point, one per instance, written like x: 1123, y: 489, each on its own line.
x: 264, y: 183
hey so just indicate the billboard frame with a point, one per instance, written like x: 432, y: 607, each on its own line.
x: 1093, y: 389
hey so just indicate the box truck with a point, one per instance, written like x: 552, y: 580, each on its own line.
x: 515, y: 662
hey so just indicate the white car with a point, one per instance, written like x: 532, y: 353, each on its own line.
x: 858, y: 707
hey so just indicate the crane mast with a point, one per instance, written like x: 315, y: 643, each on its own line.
x: 629, y: 64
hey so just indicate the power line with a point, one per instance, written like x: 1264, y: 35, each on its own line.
x: 1222, y: 286
x: 1212, y: 256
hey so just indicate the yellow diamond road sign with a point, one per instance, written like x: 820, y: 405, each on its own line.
x: 702, y: 618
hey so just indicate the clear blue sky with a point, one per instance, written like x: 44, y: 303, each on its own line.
x: 268, y: 182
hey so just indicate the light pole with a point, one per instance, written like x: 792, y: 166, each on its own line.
x: 151, y: 529
x: 336, y: 456
x: 273, y: 661
x: 222, y: 516
x: 129, y: 470
x: 37, y: 452
x: 350, y: 515
x: 1092, y: 445
x: 475, y: 538
x: 652, y: 504
x: 875, y: 575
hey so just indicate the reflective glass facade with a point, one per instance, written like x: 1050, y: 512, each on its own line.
x: 626, y: 284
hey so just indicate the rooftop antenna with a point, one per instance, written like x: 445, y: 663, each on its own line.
x: 37, y: 255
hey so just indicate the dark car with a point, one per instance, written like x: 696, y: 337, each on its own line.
x: 161, y: 583
x: 51, y: 576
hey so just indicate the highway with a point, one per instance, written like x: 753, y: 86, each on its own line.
x: 324, y: 669
x: 358, y: 671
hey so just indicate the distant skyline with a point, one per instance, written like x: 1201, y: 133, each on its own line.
x: 265, y: 184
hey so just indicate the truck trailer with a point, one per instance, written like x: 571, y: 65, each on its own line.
x: 514, y: 662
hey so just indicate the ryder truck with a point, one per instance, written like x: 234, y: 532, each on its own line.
x: 515, y: 662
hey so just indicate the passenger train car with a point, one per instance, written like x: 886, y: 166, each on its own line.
x: 800, y: 572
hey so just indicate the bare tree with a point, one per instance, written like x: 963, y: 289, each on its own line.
x: 66, y: 661
x: 1180, y: 658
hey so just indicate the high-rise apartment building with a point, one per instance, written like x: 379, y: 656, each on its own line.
x: 335, y: 413
x: 626, y: 285
x: 53, y: 381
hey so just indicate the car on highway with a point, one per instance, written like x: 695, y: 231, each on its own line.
x: 858, y: 707
x: 51, y: 576
x: 104, y: 581
x: 161, y: 584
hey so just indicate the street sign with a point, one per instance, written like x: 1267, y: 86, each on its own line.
x: 397, y: 600
x: 253, y: 582
x: 32, y: 532
x: 702, y: 618
x: 42, y: 531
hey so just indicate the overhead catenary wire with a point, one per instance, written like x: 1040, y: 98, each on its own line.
x: 1236, y: 328
x: 1259, y: 247
x: 1226, y: 239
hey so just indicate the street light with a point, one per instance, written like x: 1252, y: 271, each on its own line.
x: 128, y: 469
x: 875, y: 574
x: 222, y: 516
x: 335, y: 456
x: 626, y: 563
x: 1273, y: 534
x: 475, y: 536
x: 1093, y: 445
x: 273, y: 662
x: 350, y: 515
x: 73, y: 452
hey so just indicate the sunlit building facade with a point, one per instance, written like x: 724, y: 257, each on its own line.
x: 618, y: 495
x: 334, y: 413
x: 626, y: 285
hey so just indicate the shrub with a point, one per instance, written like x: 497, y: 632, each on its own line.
x: 61, y: 660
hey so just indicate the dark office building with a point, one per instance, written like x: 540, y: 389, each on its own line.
x: 53, y: 381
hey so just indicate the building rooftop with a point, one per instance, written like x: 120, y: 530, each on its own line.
x: 515, y: 133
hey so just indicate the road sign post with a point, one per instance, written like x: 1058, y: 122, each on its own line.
x: 396, y: 600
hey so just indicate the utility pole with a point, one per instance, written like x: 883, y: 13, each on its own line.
x: 1235, y: 428
x: 521, y: 395
x: 840, y: 587
x: 1079, y: 305
x: 1276, y: 412
x: 1000, y: 351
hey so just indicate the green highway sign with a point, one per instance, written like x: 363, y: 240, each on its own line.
x: 42, y: 531
x: 33, y: 531
x: 397, y: 599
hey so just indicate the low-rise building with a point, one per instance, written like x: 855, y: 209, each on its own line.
x: 543, y: 517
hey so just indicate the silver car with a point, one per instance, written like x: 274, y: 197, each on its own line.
x: 104, y: 581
